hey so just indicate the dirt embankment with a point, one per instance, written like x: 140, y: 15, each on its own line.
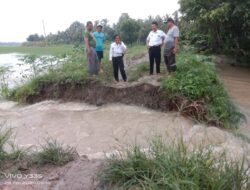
x: 146, y: 94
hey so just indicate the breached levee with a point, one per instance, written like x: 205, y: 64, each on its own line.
x: 144, y: 93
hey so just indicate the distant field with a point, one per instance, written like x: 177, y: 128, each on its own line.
x: 49, y: 50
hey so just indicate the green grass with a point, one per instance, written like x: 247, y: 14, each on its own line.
x: 173, y: 167
x: 14, y: 152
x: 196, y: 91
x: 55, y: 50
x: 139, y: 71
x: 54, y: 153
x: 136, y: 51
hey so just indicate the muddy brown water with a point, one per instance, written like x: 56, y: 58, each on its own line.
x: 237, y: 83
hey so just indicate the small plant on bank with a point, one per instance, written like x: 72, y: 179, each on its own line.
x: 53, y: 152
x: 173, y: 166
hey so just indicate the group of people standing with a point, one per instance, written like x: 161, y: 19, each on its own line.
x: 155, y: 41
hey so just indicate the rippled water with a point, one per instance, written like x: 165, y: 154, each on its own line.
x: 96, y: 130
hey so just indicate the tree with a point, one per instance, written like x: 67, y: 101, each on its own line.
x: 122, y: 19
x: 130, y: 31
x: 35, y: 38
x: 74, y: 34
x: 218, y: 25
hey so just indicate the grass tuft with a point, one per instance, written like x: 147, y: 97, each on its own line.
x: 173, y: 167
x: 54, y: 153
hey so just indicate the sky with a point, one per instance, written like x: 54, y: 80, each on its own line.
x: 20, y: 18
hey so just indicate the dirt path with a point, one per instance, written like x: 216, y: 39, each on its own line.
x: 237, y: 83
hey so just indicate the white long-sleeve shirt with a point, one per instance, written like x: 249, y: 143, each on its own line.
x: 117, y: 50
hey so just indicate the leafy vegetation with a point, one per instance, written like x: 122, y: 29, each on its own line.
x: 196, y: 91
x: 220, y: 26
x: 173, y: 166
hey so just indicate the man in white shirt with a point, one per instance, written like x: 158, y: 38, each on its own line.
x: 155, y: 40
x: 116, y: 53
x: 171, y: 45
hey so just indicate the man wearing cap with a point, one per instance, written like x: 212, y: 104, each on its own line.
x: 171, y: 45
x: 90, y: 44
x: 100, y: 38
x: 155, y: 40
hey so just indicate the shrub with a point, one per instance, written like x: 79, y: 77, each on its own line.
x: 196, y: 91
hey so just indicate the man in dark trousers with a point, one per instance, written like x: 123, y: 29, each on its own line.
x: 116, y: 53
x: 171, y: 45
x: 155, y: 40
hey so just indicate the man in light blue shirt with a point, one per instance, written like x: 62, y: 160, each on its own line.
x: 100, y: 38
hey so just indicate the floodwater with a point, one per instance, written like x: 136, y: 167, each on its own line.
x: 96, y: 130
x: 237, y: 83
x: 16, y: 69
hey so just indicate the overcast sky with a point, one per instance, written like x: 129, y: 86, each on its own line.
x: 19, y: 18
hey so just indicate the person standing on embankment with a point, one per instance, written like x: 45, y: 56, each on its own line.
x: 90, y: 44
x: 100, y: 38
x: 171, y: 45
x: 155, y: 40
x: 116, y: 53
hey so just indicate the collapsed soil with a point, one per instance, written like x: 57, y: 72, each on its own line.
x: 144, y: 93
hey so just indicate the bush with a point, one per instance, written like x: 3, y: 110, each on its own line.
x: 196, y: 91
x: 173, y: 167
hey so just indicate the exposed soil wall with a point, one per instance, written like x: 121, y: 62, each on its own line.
x: 98, y: 93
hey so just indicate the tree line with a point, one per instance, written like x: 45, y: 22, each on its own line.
x: 131, y: 30
x: 217, y: 26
